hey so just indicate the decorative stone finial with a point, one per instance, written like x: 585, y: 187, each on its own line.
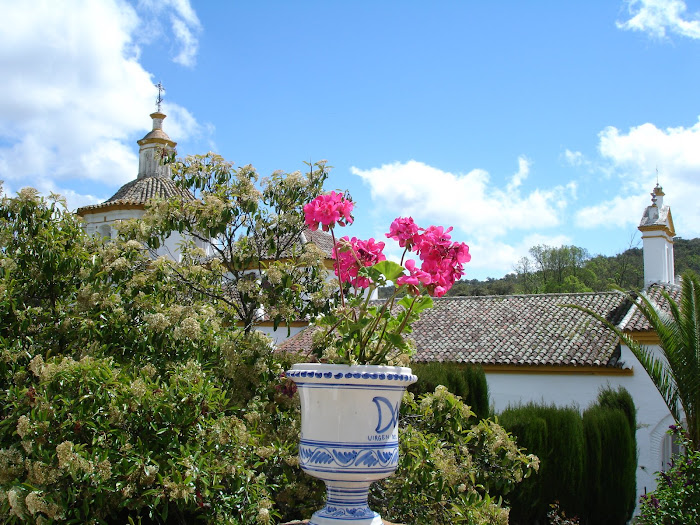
x: 656, y: 194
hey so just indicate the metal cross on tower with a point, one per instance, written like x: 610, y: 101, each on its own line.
x: 159, y: 99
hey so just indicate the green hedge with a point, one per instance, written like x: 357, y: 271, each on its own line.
x: 468, y: 382
x: 555, y: 435
x: 610, y: 427
x: 588, y: 462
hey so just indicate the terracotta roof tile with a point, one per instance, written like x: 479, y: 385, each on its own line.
x: 636, y: 322
x: 140, y: 191
x: 526, y: 330
x: 321, y: 239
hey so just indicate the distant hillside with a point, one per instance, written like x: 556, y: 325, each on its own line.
x: 568, y: 269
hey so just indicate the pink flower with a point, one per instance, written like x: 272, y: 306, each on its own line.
x: 441, y: 258
x: 433, y: 238
x: 404, y: 230
x: 444, y: 264
x: 461, y: 252
x: 416, y: 276
x: 327, y: 210
x: 353, y: 254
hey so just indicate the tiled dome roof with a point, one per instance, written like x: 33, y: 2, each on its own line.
x: 138, y: 192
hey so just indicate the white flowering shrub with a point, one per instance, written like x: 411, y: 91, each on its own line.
x: 91, y: 442
x: 119, y: 391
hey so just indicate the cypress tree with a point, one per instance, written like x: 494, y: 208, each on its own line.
x: 555, y: 435
x: 611, y: 452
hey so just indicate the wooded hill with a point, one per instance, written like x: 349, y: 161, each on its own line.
x: 568, y: 269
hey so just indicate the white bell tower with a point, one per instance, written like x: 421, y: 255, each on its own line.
x: 657, y: 238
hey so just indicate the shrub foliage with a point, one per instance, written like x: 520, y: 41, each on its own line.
x: 676, y: 499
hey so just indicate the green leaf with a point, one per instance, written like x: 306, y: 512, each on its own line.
x: 390, y: 269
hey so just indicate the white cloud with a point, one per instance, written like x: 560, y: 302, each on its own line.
x: 184, y: 25
x: 469, y: 201
x: 612, y: 213
x: 650, y: 147
x: 521, y: 175
x: 492, y: 257
x: 635, y: 156
x: 573, y: 158
x: 74, y: 96
x: 657, y: 17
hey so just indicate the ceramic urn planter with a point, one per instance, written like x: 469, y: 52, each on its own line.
x: 349, y: 433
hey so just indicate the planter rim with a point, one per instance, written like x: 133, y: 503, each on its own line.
x: 368, y: 368
x: 305, y: 373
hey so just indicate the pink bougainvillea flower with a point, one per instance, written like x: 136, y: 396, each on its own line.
x: 405, y: 231
x: 353, y: 254
x: 327, y: 210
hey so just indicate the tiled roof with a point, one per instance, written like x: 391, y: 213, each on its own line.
x: 519, y: 330
x: 527, y: 330
x: 636, y: 322
x: 139, y: 191
x: 321, y: 239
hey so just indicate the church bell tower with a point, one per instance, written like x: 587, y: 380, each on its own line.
x: 657, y: 238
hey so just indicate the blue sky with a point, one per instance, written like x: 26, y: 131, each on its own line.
x: 518, y: 123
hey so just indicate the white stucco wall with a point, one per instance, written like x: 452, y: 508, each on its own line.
x: 658, y: 258
x: 581, y: 390
x: 103, y: 224
x: 280, y: 334
x: 98, y: 222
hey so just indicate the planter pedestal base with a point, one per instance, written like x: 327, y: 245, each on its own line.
x: 346, y: 503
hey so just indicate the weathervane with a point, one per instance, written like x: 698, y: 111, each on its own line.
x: 159, y: 99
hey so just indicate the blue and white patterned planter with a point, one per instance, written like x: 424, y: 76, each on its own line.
x: 349, y: 433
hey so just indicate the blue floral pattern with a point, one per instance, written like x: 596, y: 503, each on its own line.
x: 349, y: 457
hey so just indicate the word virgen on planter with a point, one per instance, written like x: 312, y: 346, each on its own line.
x: 349, y: 433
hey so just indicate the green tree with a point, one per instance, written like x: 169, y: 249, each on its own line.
x: 687, y: 254
x: 120, y: 397
x: 43, y: 257
x: 254, y: 231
